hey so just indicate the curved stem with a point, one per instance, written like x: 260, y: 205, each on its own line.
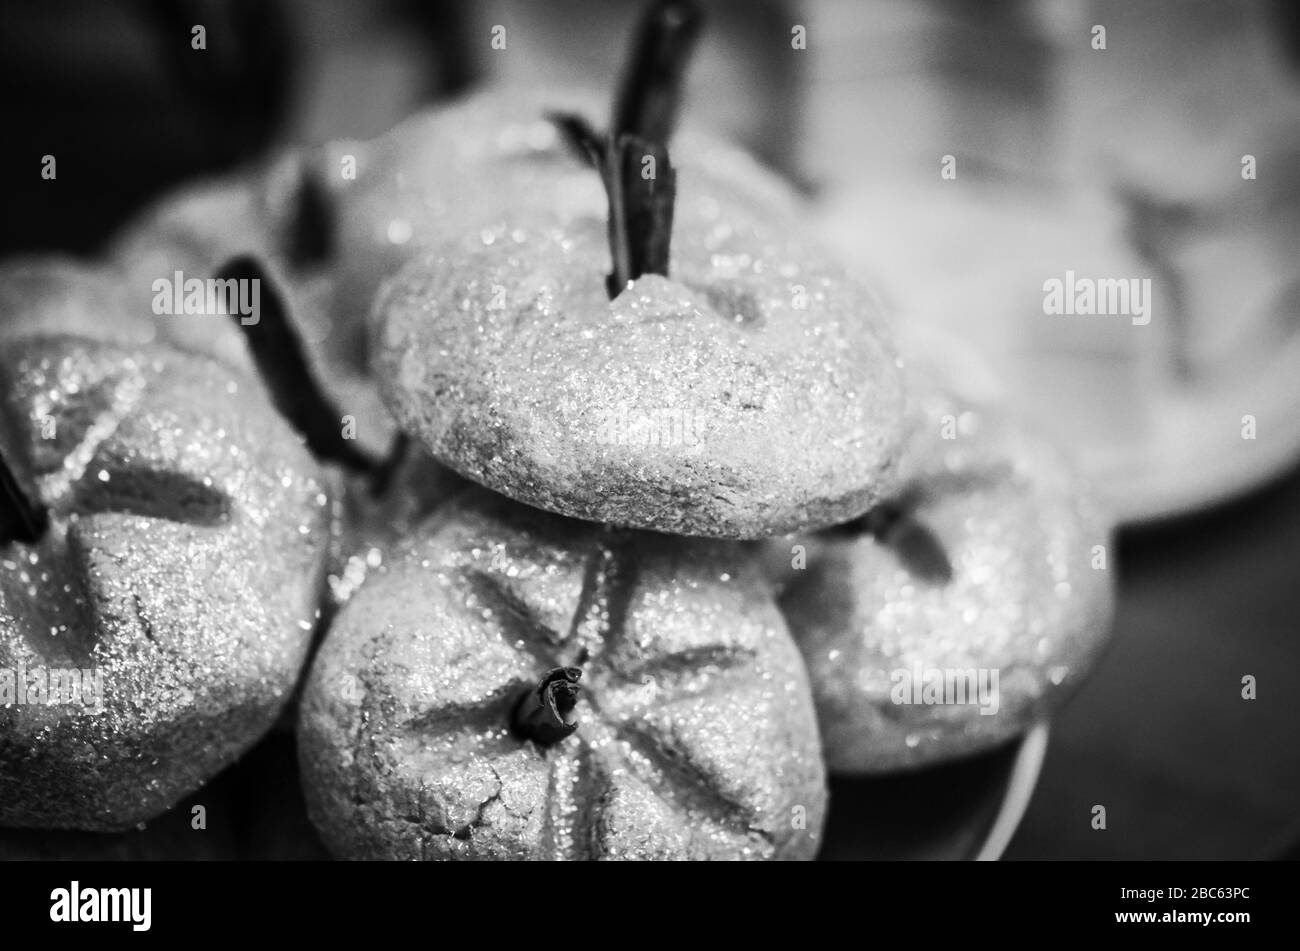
x: 647, y: 100
x: 632, y: 158
x: 281, y: 360
x: 895, y: 525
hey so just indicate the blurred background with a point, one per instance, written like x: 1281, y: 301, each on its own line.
x: 1103, y: 137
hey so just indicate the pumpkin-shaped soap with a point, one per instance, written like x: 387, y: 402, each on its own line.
x: 509, y: 684
x: 172, y: 577
x: 964, y: 609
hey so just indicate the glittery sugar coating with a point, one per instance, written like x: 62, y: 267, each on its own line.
x: 751, y: 392
x: 182, y: 563
x: 696, y: 736
x: 1018, y: 526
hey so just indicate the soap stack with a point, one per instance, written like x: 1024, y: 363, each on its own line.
x: 631, y: 518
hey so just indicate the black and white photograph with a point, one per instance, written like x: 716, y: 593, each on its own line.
x: 650, y: 430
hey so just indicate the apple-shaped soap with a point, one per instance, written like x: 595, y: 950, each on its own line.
x: 751, y: 392
x: 161, y: 545
x: 678, y: 357
x: 509, y: 684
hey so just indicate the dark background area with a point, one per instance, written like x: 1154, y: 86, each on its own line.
x: 1159, y: 734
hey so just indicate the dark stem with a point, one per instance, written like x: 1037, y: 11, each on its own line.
x: 581, y: 136
x: 647, y: 100
x: 895, y: 525
x: 632, y: 157
x: 21, y: 520
x: 310, y: 239
x: 620, y: 238
x: 642, y: 187
x: 546, y: 714
x: 920, y: 550
x: 281, y: 362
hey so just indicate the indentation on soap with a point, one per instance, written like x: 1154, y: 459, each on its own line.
x: 154, y: 493
x: 733, y: 303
